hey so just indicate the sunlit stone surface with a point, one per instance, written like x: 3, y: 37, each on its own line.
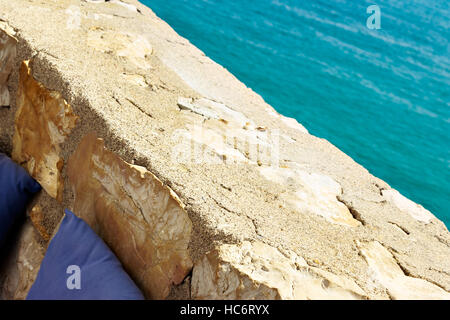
x: 254, y: 270
x: 271, y: 211
x: 131, y: 47
x: 312, y: 193
x: 404, y: 204
x: 43, y: 122
x: 389, y: 274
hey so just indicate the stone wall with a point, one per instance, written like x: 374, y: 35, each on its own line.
x: 200, y: 188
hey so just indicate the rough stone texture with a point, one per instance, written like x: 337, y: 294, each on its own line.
x: 8, y: 47
x: 43, y: 121
x: 37, y: 219
x: 311, y: 192
x: 121, y: 3
x: 223, y: 135
x: 247, y: 177
x: 22, y: 266
x: 387, y: 272
x: 142, y: 220
x: 405, y: 205
x: 258, y: 271
x: 132, y: 47
x: 212, y: 110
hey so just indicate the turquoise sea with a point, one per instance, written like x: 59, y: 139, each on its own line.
x: 382, y: 96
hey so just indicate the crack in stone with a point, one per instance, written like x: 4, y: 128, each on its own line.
x: 238, y: 214
x: 134, y: 104
x: 443, y: 241
x: 380, y: 189
x: 355, y: 213
x: 140, y: 108
x: 400, y: 227
x: 439, y: 271
x: 409, y: 273
x: 225, y: 187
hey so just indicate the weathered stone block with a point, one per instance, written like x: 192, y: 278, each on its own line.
x: 37, y: 218
x: 43, y: 122
x: 254, y: 270
x: 8, y: 51
x: 312, y: 193
x: 386, y: 271
x: 132, y: 47
x: 140, y: 218
x: 407, y: 206
x: 22, y: 266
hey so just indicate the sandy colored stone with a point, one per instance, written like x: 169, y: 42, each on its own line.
x: 294, y: 124
x: 407, y: 206
x: 37, y: 219
x: 217, y: 142
x: 133, y: 47
x: 136, y: 110
x: 254, y: 270
x: 312, y: 192
x: 118, y: 2
x: 136, y: 79
x: 224, y: 136
x: 214, y: 110
x: 201, y: 144
x: 400, y: 286
x: 42, y: 123
x: 23, y: 264
x: 142, y: 220
x: 8, y: 47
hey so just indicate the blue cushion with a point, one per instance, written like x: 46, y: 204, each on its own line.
x: 78, y: 265
x: 16, y: 190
